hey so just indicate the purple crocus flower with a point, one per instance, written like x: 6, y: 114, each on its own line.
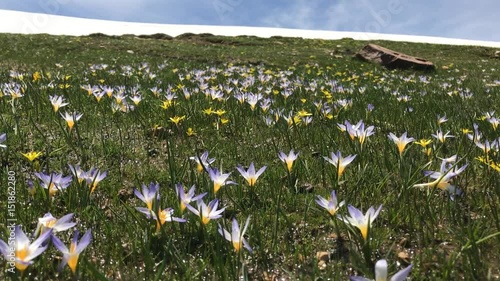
x: 25, y: 251
x: 148, y: 194
x: 70, y: 256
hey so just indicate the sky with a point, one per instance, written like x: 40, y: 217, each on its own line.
x: 465, y: 19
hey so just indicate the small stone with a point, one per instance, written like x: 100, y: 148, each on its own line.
x: 322, y: 265
x: 323, y: 256
x: 269, y: 276
x: 404, y: 256
x: 307, y: 187
x: 404, y: 243
x: 125, y: 194
x: 333, y: 235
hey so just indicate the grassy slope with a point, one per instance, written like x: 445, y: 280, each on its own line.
x: 42, y: 52
x: 39, y: 50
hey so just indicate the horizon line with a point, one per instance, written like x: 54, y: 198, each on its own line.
x: 17, y: 22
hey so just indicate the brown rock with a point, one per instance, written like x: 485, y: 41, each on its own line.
x: 392, y: 59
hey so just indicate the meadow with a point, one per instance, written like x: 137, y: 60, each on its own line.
x: 203, y: 157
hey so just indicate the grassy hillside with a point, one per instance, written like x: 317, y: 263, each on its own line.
x: 154, y: 106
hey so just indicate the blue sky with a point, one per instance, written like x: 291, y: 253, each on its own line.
x: 477, y: 20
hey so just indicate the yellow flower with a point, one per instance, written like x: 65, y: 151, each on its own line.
x: 208, y: 111
x: 489, y: 162
x: 32, y: 155
x: 190, y: 132
x: 296, y: 120
x: 166, y: 104
x: 293, y: 120
x: 177, y: 119
x: 328, y: 95
x: 36, y: 76
x: 466, y: 131
x: 219, y: 112
x: 224, y: 121
x: 424, y: 142
x: 303, y: 113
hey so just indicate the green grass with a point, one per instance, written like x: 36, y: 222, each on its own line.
x: 443, y: 239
